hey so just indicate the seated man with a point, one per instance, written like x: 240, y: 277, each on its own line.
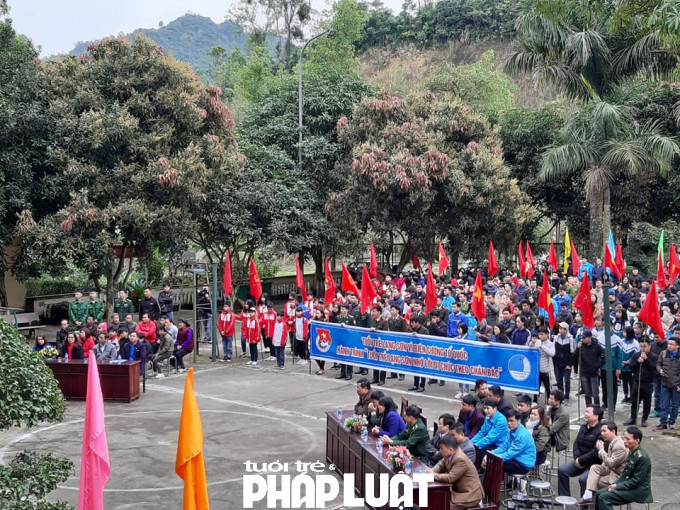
x: 464, y: 443
x: 455, y: 468
x: 414, y: 436
x: 104, y: 349
x: 585, y: 454
x: 505, y: 407
x: 444, y: 425
x: 135, y: 350
x: 524, y: 408
x: 470, y: 416
x: 635, y: 483
x: 559, y: 421
x: 613, y: 459
x: 364, y: 392
x: 519, y: 451
x: 166, y: 346
x: 481, y: 393
x: 495, y: 430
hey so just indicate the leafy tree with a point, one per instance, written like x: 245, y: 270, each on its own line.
x: 136, y: 143
x: 224, y: 69
x: 29, y: 394
x: 643, y: 240
x: 600, y: 143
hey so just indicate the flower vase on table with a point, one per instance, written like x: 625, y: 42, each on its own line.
x: 356, y: 423
x: 397, y: 456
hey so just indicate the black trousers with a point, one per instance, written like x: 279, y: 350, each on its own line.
x: 179, y: 355
x: 544, y: 379
x: 627, y: 382
x: 603, y: 382
x: 645, y: 397
x: 379, y: 375
x: 301, y: 349
x: 419, y: 381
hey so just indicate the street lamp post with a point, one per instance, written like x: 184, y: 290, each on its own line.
x: 329, y: 34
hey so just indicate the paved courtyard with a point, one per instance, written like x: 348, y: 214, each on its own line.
x: 258, y: 414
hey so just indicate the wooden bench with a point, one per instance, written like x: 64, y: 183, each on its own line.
x: 23, y: 321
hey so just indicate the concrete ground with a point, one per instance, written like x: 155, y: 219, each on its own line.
x: 257, y: 414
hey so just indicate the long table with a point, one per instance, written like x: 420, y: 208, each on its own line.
x: 118, y: 381
x: 350, y: 455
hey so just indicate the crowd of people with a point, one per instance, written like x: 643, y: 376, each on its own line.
x: 612, y: 469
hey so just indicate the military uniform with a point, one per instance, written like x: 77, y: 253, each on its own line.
x: 634, y: 484
x: 379, y: 324
x: 415, y: 438
x: 419, y: 382
x: 123, y: 307
x: 399, y: 324
x: 77, y: 312
x: 96, y: 309
x: 346, y: 371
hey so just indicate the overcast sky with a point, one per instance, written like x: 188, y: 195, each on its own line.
x: 56, y: 25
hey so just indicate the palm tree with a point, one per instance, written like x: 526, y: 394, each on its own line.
x: 601, y: 143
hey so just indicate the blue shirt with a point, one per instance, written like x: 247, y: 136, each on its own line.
x: 447, y: 303
x: 494, y: 432
x: 520, y: 446
x: 586, y: 267
x: 452, y: 326
x: 133, y: 350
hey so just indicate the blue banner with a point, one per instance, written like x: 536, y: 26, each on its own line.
x: 510, y: 366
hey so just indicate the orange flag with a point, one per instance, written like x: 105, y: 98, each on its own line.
x: 374, y: 263
x: 649, y: 313
x: 443, y: 260
x: 368, y: 292
x: 300, y: 279
x: 255, y: 282
x: 189, y: 464
x: 477, y: 306
x: 347, y: 283
x: 492, y: 267
x: 430, y: 290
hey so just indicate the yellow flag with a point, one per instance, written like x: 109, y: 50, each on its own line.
x: 567, y: 250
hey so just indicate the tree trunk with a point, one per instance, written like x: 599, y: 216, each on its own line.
x: 317, y: 256
x: 596, y: 198
x: 606, y: 219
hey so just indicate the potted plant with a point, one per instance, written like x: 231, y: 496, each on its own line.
x: 356, y: 422
x: 397, y: 457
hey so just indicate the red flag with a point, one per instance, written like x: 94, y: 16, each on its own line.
x: 575, y: 261
x: 492, y: 267
x: 552, y: 257
x: 368, y: 293
x: 347, y: 283
x: 650, y: 314
x: 545, y: 301
x: 660, y: 273
x: 673, y: 263
x: 583, y: 303
x: 610, y: 262
x: 477, y: 306
x: 443, y: 260
x: 255, y: 282
x: 531, y: 263
x: 620, y: 262
x: 329, y: 285
x: 226, y: 279
x: 415, y: 260
x: 300, y: 278
x: 521, y: 262
x: 374, y: 263
x: 430, y: 290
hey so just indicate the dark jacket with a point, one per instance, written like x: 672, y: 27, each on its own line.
x: 505, y: 407
x: 648, y: 367
x: 559, y: 428
x: 438, y: 329
x: 61, y: 337
x: 564, y: 350
x: 165, y: 300
x: 671, y: 367
x: 140, y: 354
x: 471, y: 421
x: 151, y: 307
x: 76, y: 352
x: 584, y: 445
x: 588, y: 359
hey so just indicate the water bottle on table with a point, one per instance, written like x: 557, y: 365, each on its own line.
x: 120, y: 359
x: 379, y: 444
x: 407, y: 467
x: 66, y: 358
x: 340, y: 413
x: 364, y: 435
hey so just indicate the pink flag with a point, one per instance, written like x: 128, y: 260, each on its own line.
x: 95, y: 468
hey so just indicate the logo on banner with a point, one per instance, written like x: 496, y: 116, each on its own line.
x: 519, y: 367
x: 323, y: 340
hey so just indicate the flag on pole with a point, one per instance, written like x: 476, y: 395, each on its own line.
x: 329, y: 285
x: 443, y: 260
x: 95, y: 467
x: 300, y: 279
x: 347, y: 283
x: 583, y: 303
x: 189, y: 464
x: 673, y: 263
x: 478, y: 306
x: 552, y: 257
x: 520, y: 261
x: 255, y: 282
x: 492, y: 267
x: 620, y: 262
x: 415, y: 260
x: 430, y: 290
x: 227, y: 285
x: 660, y: 270
x: 374, y: 263
x: 545, y: 300
x: 368, y: 292
x: 575, y: 260
x: 650, y: 313
x: 531, y: 263
x: 610, y: 262
x: 567, y: 250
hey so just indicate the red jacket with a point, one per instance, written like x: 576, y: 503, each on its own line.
x: 280, y: 341
x: 289, y: 311
x: 305, y: 329
x: 147, y: 330
x: 88, y: 345
x: 268, y: 320
x: 261, y: 309
x: 226, y: 323
x: 250, y: 328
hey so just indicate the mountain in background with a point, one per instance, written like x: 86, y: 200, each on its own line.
x: 190, y: 38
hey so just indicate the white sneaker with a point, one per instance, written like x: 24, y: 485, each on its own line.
x: 254, y: 363
x: 271, y: 358
x: 229, y: 360
x: 159, y: 376
x: 181, y: 370
x: 249, y: 363
x: 303, y: 362
x: 459, y: 394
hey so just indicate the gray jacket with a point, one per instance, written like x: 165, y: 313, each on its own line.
x: 107, y: 351
x: 671, y: 367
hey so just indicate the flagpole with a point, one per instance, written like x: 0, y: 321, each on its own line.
x: 213, y: 304
x: 637, y: 407
x: 609, y: 376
